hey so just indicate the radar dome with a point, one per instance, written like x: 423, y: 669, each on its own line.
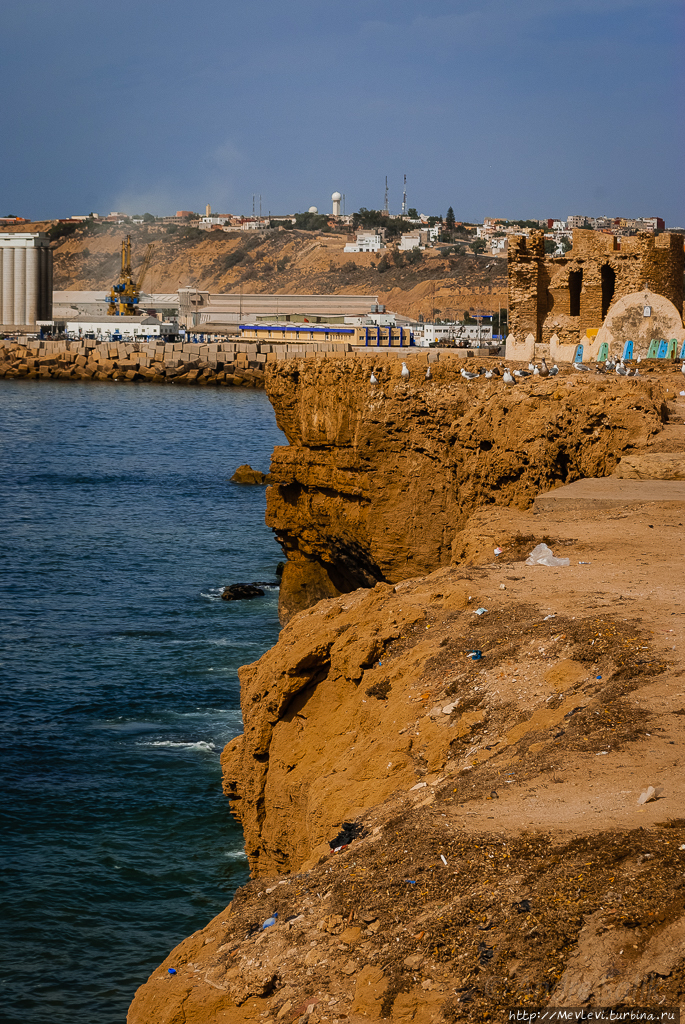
x: 336, y: 197
x: 313, y: 209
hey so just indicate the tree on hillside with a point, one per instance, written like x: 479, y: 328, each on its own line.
x: 412, y: 213
x: 450, y: 222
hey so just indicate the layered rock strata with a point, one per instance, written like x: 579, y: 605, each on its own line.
x: 377, y: 478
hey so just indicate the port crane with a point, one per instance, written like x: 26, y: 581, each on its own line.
x: 125, y: 294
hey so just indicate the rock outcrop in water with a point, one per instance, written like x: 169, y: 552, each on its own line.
x: 377, y: 479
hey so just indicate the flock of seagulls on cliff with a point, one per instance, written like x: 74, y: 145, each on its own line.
x: 618, y: 367
x: 543, y: 370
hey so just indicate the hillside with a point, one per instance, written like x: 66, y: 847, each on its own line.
x: 288, y: 262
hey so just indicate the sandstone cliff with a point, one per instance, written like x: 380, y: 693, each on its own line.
x: 505, y: 859
x: 377, y: 479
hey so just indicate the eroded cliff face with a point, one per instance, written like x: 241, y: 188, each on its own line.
x: 377, y: 479
x: 505, y: 859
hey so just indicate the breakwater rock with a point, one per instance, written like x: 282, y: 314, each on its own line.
x: 126, y: 363
x: 377, y: 479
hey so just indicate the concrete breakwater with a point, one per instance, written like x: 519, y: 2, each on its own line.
x: 227, y: 363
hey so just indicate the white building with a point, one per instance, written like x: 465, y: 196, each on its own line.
x: 414, y: 240
x: 25, y: 278
x: 471, y: 333
x: 105, y: 328
x: 367, y: 241
x: 209, y: 221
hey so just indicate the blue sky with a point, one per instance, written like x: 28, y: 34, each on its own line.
x: 514, y: 108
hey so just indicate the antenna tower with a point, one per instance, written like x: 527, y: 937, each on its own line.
x: 385, y: 207
x: 404, y: 197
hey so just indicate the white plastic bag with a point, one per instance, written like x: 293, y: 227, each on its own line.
x: 542, y: 555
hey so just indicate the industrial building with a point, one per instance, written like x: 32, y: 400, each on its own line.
x: 375, y: 335
x: 116, y: 328
x: 25, y: 279
x: 69, y: 304
x: 198, y: 307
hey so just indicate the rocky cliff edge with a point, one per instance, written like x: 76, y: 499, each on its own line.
x: 377, y: 479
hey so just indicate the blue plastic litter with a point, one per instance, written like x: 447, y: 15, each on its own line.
x: 269, y: 921
x: 172, y: 971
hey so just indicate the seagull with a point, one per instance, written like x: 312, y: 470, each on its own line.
x: 373, y: 379
x: 507, y: 377
x: 468, y: 376
x: 554, y: 371
x: 428, y: 373
x: 621, y: 370
x: 536, y: 372
x: 581, y: 366
x: 682, y: 368
x: 521, y: 373
x: 639, y: 359
x: 488, y: 374
x: 495, y: 371
x: 544, y: 368
x: 405, y: 371
x: 531, y: 366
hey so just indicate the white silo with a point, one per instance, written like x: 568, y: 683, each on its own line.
x: 313, y: 209
x: 336, y: 197
x: 25, y: 278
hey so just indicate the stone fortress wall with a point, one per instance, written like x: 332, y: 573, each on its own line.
x: 567, y: 295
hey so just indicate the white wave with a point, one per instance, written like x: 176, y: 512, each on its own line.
x: 201, y: 745
x: 235, y: 855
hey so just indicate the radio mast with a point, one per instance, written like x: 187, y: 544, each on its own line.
x: 404, y: 197
x: 385, y: 208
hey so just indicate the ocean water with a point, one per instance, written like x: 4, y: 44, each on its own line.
x: 118, y: 668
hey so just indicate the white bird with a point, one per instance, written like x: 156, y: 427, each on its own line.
x: 544, y: 368
x: 373, y: 379
x: 405, y: 371
x: 507, y: 377
x: 581, y: 366
x: 428, y: 373
x: 554, y: 371
x: 621, y: 370
x: 521, y: 373
x: 639, y: 359
x: 488, y: 374
x: 682, y: 368
x: 536, y: 372
x: 468, y: 376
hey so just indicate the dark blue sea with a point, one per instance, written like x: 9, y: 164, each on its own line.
x: 118, y: 663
